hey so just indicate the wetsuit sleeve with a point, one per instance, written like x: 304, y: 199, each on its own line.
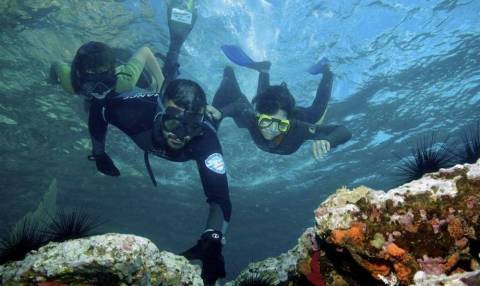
x: 208, y: 155
x: 334, y: 134
x: 63, y: 72
x: 97, y: 126
x: 128, y: 74
x: 316, y: 112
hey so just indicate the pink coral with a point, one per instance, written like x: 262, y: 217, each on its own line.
x: 436, y: 224
x: 423, y: 215
x: 472, y: 201
x: 127, y: 243
x: 312, y: 241
x: 375, y: 214
x: 432, y: 265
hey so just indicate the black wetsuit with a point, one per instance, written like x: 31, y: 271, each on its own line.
x: 133, y: 112
x: 230, y: 100
x: 178, y: 34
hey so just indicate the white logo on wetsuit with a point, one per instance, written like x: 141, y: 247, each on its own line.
x: 215, y: 163
x: 140, y: 95
x: 181, y: 16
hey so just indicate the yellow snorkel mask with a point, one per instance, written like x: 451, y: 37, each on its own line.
x: 265, y: 121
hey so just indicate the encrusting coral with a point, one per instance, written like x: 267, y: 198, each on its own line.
x: 422, y: 233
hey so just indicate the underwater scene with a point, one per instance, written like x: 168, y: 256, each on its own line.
x: 240, y: 143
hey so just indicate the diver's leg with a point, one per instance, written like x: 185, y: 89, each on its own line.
x: 181, y: 19
x: 230, y: 100
x: 316, y: 111
x: 263, y: 82
x: 228, y: 91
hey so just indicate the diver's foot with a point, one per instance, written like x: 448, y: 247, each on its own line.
x: 228, y: 72
x: 260, y: 66
x: 322, y: 66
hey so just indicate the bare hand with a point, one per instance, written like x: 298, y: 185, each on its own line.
x: 320, y: 148
x: 213, y: 112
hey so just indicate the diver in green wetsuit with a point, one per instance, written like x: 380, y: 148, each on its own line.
x: 94, y: 75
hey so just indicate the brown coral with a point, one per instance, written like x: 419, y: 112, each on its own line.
x: 455, y: 228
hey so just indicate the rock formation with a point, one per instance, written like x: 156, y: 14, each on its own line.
x: 111, y: 259
x: 425, y: 232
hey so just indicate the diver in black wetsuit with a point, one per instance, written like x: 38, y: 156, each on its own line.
x: 95, y: 75
x: 179, y: 130
x: 275, y: 124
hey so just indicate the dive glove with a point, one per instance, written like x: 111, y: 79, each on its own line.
x: 209, y: 250
x: 105, y: 164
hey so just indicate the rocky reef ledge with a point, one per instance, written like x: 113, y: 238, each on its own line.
x: 425, y: 232
x: 110, y: 259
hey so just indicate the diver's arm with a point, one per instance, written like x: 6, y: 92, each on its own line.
x: 316, y: 112
x: 334, y: 134
x: 263, y: 82
x: 60, y: 73
x: 208, y: 155
x: 97, y: 127
x: 146, y: 58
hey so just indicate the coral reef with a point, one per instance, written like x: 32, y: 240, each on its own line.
x: 422, y: 233
x: 429, y: 225
x: 111, y: 259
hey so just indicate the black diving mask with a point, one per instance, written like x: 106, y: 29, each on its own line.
x: 181, y: 123
x: 98, y: 84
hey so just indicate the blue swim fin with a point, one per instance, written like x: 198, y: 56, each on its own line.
x: 321, y: 66
x: 238, y: 56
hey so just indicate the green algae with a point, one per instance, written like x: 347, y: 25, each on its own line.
x: 378, y: 241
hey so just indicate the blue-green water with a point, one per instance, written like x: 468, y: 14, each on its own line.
x: 403, y: 69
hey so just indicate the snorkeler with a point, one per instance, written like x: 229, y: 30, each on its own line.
x: 177, y: 127
x: 171, y: 123
x: 275, y: 124
x: 95, y: 75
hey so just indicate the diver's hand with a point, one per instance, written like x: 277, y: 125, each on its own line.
x: 53, y: 74
x: 214, y: 113
x: 320, y: 148
x: 105, y: 165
